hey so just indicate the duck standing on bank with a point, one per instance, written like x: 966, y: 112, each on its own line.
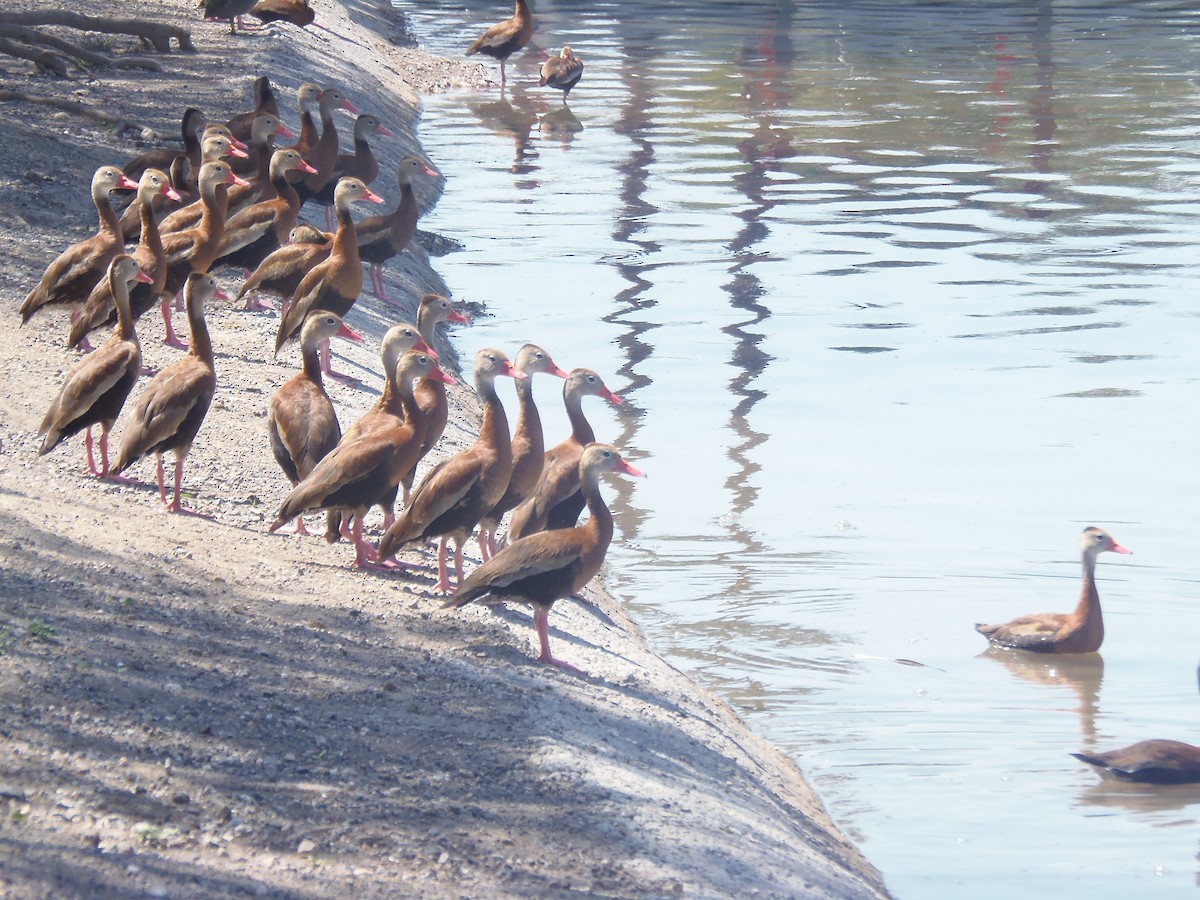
x: 456, y: 493
x: 505, y: 38
x: 171, y: 409
x: 528, y: 445
x: 252, y: 234
x: 334, y: 284
x: 301, y: 422
x: 548, y: 566
x: 96, y: 388
x: 100, y: 308
x: 556, y: 500
x: 192, y: 251
x: 430, y: 393
x: 71, y: 277
x: 1081, y: 631
x: 360, y: 164
x: 388, y: 410
x: 362, y: 468
x: 382, y: 237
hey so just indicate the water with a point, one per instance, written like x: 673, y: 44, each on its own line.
x: 900, y: 297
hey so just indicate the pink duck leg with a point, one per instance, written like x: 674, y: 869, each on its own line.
x: 541, y: 622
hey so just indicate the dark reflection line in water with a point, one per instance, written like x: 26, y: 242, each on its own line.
x: 633, y: 214
x: 767, y: 56
x: 1041, y: 105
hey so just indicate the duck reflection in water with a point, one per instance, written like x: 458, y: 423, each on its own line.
x: 513, y: 119
x: 560, y: 125
x: 1081, y: 674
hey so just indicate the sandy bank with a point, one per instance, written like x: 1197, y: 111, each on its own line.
x: 193, y: 707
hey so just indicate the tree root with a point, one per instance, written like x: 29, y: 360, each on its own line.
x: 88, y: 111
x: 80, y: 54
x: 18, y: 28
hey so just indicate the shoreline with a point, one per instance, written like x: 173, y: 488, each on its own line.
x: 198, y: 708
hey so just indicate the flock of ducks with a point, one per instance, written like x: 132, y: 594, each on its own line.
x: 230, y: 198
x: 192, y: 211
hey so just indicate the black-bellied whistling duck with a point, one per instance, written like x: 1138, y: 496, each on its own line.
x: 1150, y: 762
x: 256, y: 167
x: 265, y: 103
x: 1155, y: 761
x: 253, y: 233
x: 216, y: 149
x: 360, y: 470
x: 297, y: 12
x: 1081, y: 631
x: 304, y: 233
x: 191, y: 128
x: 382, y: 237
x: 71, y: 277
x: 193, y: 250
x: 171, y: 409
x: 216, y: 129
x: 556, y: 501
x: 324, y: 153
x: 307, y: 96
x: 528, y: 445
x: 388, y: 410
x: 431, y: 395
x: 101, y: 308
x: 360, y: 164
x: 301, y: 422
x: 183, y: 183
x: 233, y: 10
x: 96, y: 388
x: 562, y: 72
x: 334, y: 284
x: 455, y: 494
x: 283, y: 269
x: 551, y: 565
x: 505, y: 38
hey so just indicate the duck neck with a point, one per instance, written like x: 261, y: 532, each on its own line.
x: 310, y: 362
x: 600, y: 521
x: 308, y: 132
x: 405, y: 216
x: 408, y: 403
x: 285, y: 191
x: 426, y: 325
x: 151, y: 238
x: 212, y: 213
x: 1089, y: 597
x: 581, y: 429
x: 109, y: 223
x: 529, y: 422
x: 493, y: 432
x: 120, y: 293
x: 345, y: 241
x: 262, y: 150
x: 201, y: 343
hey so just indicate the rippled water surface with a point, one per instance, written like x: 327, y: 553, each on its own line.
x: 900, y: 296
